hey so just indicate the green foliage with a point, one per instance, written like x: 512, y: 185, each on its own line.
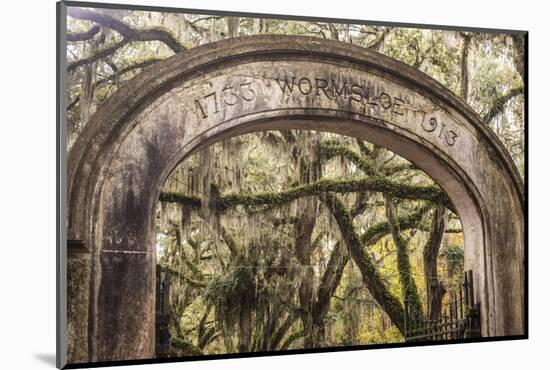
x: 230, y: 292
x: 454, y: 256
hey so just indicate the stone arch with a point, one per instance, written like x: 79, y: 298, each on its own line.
x: 119, y: 163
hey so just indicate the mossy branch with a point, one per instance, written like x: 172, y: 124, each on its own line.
x: 292, y: 338
x: 330, y: 149
x: 434, y: 289
x: 128, y: 34
x: 381, y: 185
x: 129, y: 68
x: 361, y: 204
x: 193, y: 282
x: 371, y: 277
x: 186, y: 200
x: 115, y: 76
x: 408, y: 285
x: 210, y: 335
x: 101, y: 53
x: 330, y: 281
x: 500, y: 103
x: 398, y: 168
x: 365, y: 150
x: 381, y: 229
x: 187, y: 347
x: 83, y: 36
x: 278, y: 335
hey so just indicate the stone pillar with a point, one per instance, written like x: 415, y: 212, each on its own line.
x: 78, y: 284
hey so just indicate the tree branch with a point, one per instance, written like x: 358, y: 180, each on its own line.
x: 518, y: 42
x: 398, y: 168
x: 329, y: 282
x: 500, y: 103
x: 83, y: 36
x: 379, y: 230
x: 465, y: 78
x: 187, y: 279
x: 330, y: 150
x: 371, y: 277
x: 187, y: 200
x: 378, y: 43
x: 361, y: 203
x: 230, y: 242
x: 279, y: 334
x: 291, y: 339
x: 127, y: 69
x: 73, y: 103
x: 128, y: 34
x: 406, y: 278
x: 434, y: 288
x: 381, y: 185
x: 101, y: 53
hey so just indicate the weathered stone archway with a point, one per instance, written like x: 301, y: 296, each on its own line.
x: 125, y: 153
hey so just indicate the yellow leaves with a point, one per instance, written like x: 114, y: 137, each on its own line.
x: 455, y: 238
x: 376, y: 328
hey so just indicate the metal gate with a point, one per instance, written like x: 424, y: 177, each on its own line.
x: 459, y: 318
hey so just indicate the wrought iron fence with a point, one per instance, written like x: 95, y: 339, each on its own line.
x: 459, y: 318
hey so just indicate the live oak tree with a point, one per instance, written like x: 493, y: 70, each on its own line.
x: 304, y: 232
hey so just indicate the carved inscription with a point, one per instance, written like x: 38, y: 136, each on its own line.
x: 229, y: 96
x: 245, y: 92
x: 441, y: 130
x: 360, y: 94
x: 332, y: 90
